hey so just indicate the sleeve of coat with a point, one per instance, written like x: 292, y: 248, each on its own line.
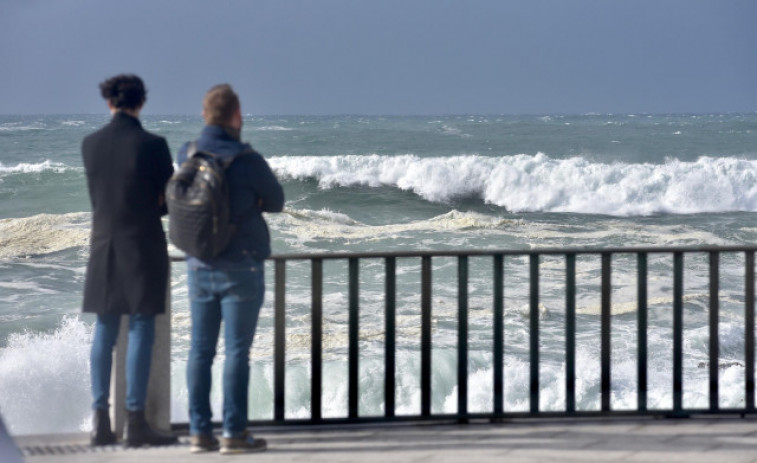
x: 267, y: 186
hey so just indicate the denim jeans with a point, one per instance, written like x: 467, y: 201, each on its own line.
x: 234, y: 297
x: 138, y: 358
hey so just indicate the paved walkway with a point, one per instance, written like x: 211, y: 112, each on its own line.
x: 720, y: 440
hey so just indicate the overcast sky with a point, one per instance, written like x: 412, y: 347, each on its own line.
x: 391, y: 57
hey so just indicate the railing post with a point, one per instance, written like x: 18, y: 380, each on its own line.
x: 641, y: 367
x: 749, y: 329
x: 605, y: 328
x: 677, y: 333
x: 316, y: 364
x: 462, y: 336
x: 279, y: 341
x: 499, y: 335
x: 354, y: 331
x: 391, y: 336
x: 426, y: 336
x: 714, y: 345
x: 570, y: 332
x: 158, y: 403
x: 534, y: 332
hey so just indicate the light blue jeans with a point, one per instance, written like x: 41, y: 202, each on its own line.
x: 138, y: 358
x: 234, y: 297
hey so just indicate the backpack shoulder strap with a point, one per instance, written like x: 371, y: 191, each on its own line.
x: 191, y: 149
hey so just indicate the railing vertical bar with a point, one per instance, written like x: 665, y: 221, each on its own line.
x: 677, y: 332
x: 391, y: 337
x: 279, y: 340
x: 353, y: 337
x: 605, y: 328
x: 426, y: 336
x: 641, y: 364
x: 749, y: 329
x: 462, y: 336
x: 499, y: 334
x: 534, y: 332
x: 570, y: 332
x: 714, y: 345
x: 316, y: 341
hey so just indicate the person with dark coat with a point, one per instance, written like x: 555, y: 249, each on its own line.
x: 127, y: 169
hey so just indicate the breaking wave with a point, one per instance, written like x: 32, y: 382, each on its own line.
x: 538, y: 183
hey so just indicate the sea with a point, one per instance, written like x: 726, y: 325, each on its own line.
x: 375, y: 183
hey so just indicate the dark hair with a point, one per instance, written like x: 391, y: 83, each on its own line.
x: 219, y: 105
x: 124, y: 91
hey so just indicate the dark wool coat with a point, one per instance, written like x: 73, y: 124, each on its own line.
x: 127, y: 171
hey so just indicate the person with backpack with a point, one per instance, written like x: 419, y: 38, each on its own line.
x: 127, y: 272
x: 225, y: 284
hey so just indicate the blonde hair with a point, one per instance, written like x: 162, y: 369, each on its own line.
x: 219, y: 105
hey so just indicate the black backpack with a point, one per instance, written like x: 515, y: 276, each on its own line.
x: 197, y: 196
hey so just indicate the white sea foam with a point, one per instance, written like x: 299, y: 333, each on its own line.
x: 272, y: 128
x: 525, y: 183
x: 20, y: 127
x: 43, y: 234
x: 325, y: 224
x: 450, y: 130
x: 28, y: 168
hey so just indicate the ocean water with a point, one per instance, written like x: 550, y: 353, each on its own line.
x: 409, y: 183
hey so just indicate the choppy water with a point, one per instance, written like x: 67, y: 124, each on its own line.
x: 397, y: 183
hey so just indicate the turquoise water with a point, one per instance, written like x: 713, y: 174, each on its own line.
x: 397, y: 183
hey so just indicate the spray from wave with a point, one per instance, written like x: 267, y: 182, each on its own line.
x: 44, y: 379
x: 537, y: 183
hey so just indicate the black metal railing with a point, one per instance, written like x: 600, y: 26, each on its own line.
x: 498, y: 257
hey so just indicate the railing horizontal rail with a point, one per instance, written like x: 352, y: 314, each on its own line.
x: 512, y: 252
x: 502, y: 252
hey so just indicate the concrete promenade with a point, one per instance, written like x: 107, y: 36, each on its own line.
x: 720, y: 440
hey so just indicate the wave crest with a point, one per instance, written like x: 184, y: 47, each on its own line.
x: 538, y: 183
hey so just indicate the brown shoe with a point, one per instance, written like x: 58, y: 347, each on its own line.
x: 200, y: 443
x: 243, y: 443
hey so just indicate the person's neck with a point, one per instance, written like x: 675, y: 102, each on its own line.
x: 129, y: 112
x: 233, y: 132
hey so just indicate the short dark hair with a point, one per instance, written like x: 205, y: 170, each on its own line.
x: 219, y: 105
x: 124, y: 91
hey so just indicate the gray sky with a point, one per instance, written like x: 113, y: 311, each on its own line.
x: 391, y: 57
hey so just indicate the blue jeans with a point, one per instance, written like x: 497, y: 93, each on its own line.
x: 138, y: 358
x: 234, y: 297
